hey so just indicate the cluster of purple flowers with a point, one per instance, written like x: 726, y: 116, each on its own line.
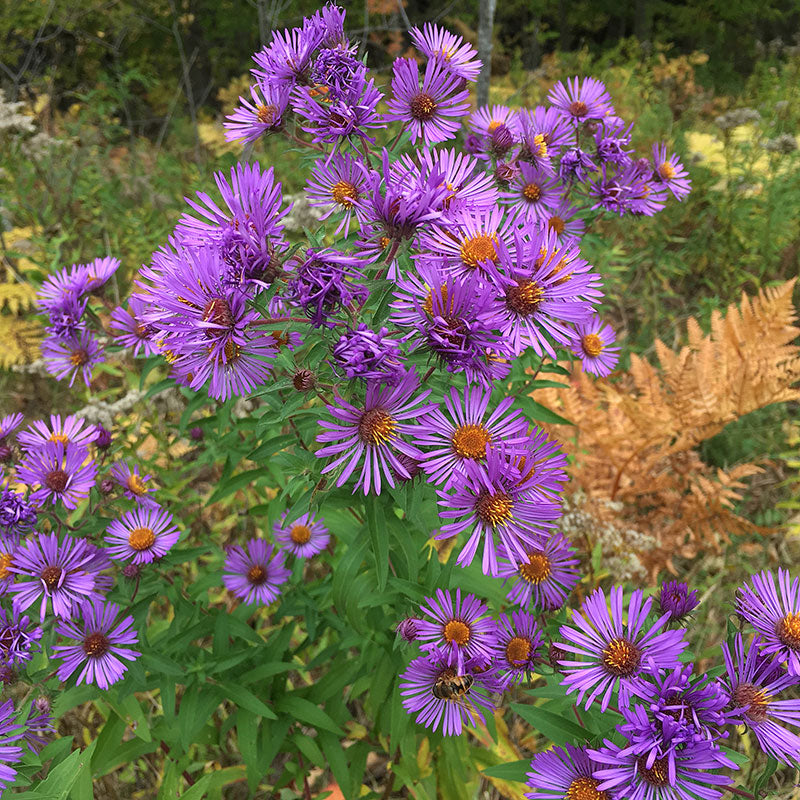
x: 255, y: 572
x: 71, y: 346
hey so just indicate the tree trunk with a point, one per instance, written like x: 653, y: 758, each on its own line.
x: 485, y: 27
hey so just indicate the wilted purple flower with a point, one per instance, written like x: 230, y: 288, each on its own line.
x: 459, y: 625
x: 775, y: 614
x: 407, y: 628
x: 575, y: 165
x: 254, y: 573
x: 430, y: 111
x: 66, y: 356
x: 440, y: 692
x: 581, y: 100
x: 453, y: 54
x: 61, y: 471
x: 344, y: 114
x: 496, y: 502
x: 263, y: 113
x: 333, y: 71
x: 560, y: 773
x: 615, y: 654
x: 51, y: 570
x: 17, y: 516
x: 133, y: 484
x: 9, y: 753
x: 143, y: 535
x: 74, y: 430
x: 612, y: 140
x: 544, y: 288
x: 691, y: 775
x: 374, y: 433
x: 304, y: 537
x: 545, y: 577
x: 337, y: 183
x: 286, y: 61
x: 669, y: 172
x: 676, y: 600
x: 248, y: 232
x: 753, y: 682
x: 516, y: 646
x: 594, y: 345
x: 104, y: 645
x: 464, y: 431
x: 324, y: 283
x: 631, y: 190
x: 18, y: 637
x: 59, y: 290
x: 364, y: 353
x: 38, y: 724
x: 65, y: 318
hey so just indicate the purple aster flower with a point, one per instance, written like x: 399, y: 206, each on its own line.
x: 615, y: 654
x: 575, y: 165
x: 753, y: 682
x: 612, y: 141
x: 454, y: 319
x: 17, y: 517
x: 542, y: 127
x: 73, y: 431
x: 669, y: 172
x: 255, y: 572
x: 563, y: 222
x: 249, y: 231
x: 690, y: 776
x: 19, y: 638
x: 775, y: 614
x: 324, y: 283
x: 344, y: 114
x: 469, y: 241
x: 495, y: 127
x: 286, y: 61
x: 66, y: 356
x: 9, y: 753
x: 62, y: 472
x: 676, y: 600
x: 328, y: 21
x: 630, y: 191
x: 338, y: 183
x: 546, y: 576
x: 579, y: 100
x: 439, y: 692
x: 104, y: 644
x: 464, y: 431
x: 134, y: 485
x: 51, y: 570
x: 374, y: 433
x: 333, y: 70
x: 134, y: 332
x: 407, y: 628
x: 532, y: 194
x: 99, y: 272
x: 496, y: 503
x: 59, y: 289
x: 517, y: 644
x: 263, y: 113
x: 453, y: 54
x: 564, y: 772
x: 66, y: 317
x: 459, y: 625
x: 430, y: 111
x: 8, y: 425
x: 38, y: 724
x: 304, y: 537
x: 143, y: 535
x: 544, y: 288
x: 364, y: 353
x: 593, y: 344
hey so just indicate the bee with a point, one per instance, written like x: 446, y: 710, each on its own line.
x: 450, y: 686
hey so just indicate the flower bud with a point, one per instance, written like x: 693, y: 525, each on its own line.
x: 304, y: 380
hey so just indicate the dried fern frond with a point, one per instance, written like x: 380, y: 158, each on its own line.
x: 20, y: 338
x: 17, y: 297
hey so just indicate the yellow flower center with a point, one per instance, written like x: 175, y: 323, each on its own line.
x: 592, y: 345
x: 59, y: 437
x: 479, y: 248
x: 585, y: 788
x: 788, y: 630
x: 266, y: 114
x: 141, y: 539
x: 556, y: 224
x: 532, y: 192
x: 540, y: 145
x: 495, y: 509
x: 518, y: 650
x: 423, y: 107
x: 6, y: 561
x: 666, y: 171
x: 469, y: 441
x: 300, y: 534
x: 428, y: 304
x: 376, y: 426
x: 344, y: 193
x: 754, y: 699
x: 136, y: 484
x: 621, y: 657
x: 537, y: 569
x: 524, y: 298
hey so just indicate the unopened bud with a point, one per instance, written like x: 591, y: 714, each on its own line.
x: 196, y: 434
x: 304, y: 380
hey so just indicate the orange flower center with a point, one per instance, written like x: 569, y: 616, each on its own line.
x: 754, y: 699
x: 592, y: 345
x: 457, y: 631
x: 6, y: 561
x: 532, y: 192
x: 136, y: 485
x: 141, y: 538
x: 666, y: 171
x: 524, y: 298
x: 257, y: 575
x: 556, y: 224
x: 59, y: 437
x: 788, y: 630
x: 479, y: 248
x: 518, y: 650
x: 494, y: 509
x: 469, y: 441
x: 537, y: 569
x: 344, y: 193
x: 621, y: 657
x: 300, y: 534
x: 585, y: 788
x: 78, y: 357
x: 266, y: 114
x: 376, y: 426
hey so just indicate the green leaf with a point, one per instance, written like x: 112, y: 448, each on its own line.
x: 513, y: 771
x: 246, y: 699
x: 768, y: 771
x: 307, y: 712
x: 378, y: 536
x: 198, y: 790
x: 337, y: 760
x: 237, y: 482
x: 59, y: 782
x: 131, y: 712
x: 555, y: 727
x: 536, y: 411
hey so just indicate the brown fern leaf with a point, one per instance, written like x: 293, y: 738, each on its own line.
x: 20, y: 338
x: 17, y: 297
